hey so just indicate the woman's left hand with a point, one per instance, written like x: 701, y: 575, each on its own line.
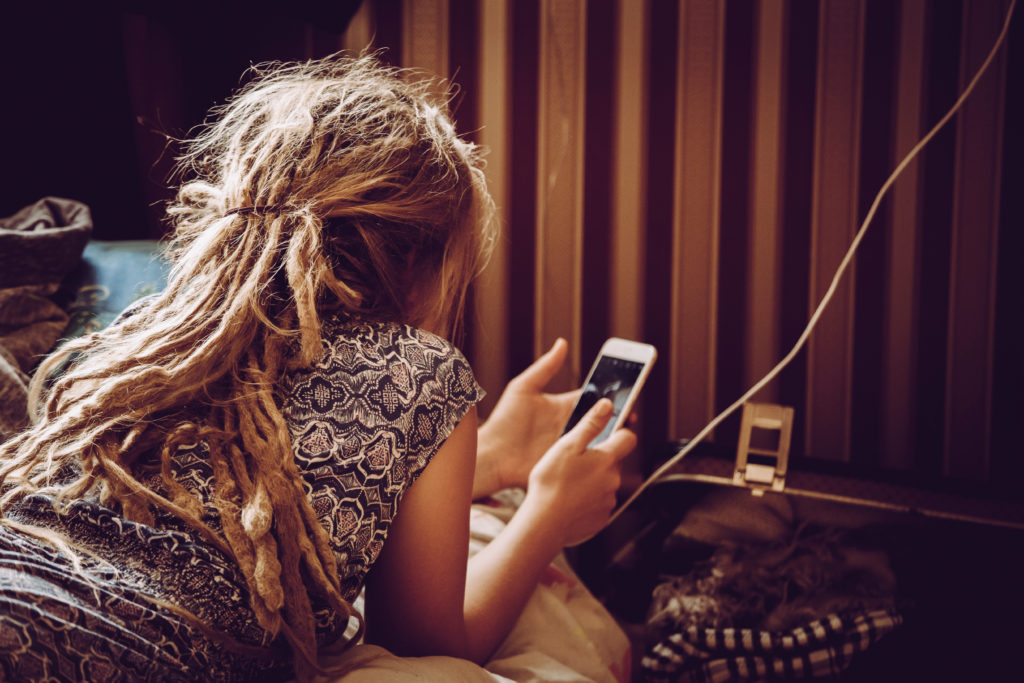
x: 523, y: 425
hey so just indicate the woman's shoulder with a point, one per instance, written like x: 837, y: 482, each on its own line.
x: 389, y: 363
x: 377, y: 376
x: 352, y: 341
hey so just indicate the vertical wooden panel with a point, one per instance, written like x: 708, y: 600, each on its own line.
x: 358, y: 35
x: 560, y: 179
x: 388, y: 28
x: 764, y: 254
x: 879, y: 69
x: 732, y: 276
x: 425, y: 35
x: 798, y: 137
x: 464, y: 48
x: 974, y: 249
x: 601, y: 49
x: 696, y: 209
x: 523, y: 154
x: 464, y: 28
x: 629, y: 171
x: 833, y: 223
x: 1007, y: 468
x: 942, y: 65
x: 490, y: 351
x: 629, y: 178
x: 902, y: 272
x: 659, y: 203
x: 155, y: 76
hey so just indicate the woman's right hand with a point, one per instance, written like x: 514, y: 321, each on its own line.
x: 573, y: 487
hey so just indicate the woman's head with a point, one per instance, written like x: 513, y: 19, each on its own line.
x: 355, y: 173
x: 328, y: 186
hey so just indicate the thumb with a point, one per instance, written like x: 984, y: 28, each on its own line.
x: 546, y: 367
x: 587, y: 429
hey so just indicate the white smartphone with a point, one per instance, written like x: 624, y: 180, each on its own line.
x: 618, y: 374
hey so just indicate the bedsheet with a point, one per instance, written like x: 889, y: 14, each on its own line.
x: 563, y: 635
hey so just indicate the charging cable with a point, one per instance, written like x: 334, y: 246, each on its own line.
x: 843, y: 265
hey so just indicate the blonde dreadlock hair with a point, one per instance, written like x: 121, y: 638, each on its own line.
x: 335, y: 186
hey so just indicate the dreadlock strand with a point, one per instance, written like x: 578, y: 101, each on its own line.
x: 298, y: 611
x: 260, y: 507
x: 318, y: 555
x: 325, y: 577
x: 256, y: 516
x: 269, y: 575
x: 179, y: 495
x: 283, y: 575
x: 135, y: 509
x: 242, y: 546
x: 125, y: 487
x: 305, y: 255
x: 306, y: 665
x: 321, y: 540
x: 240, y: 470
x: 140, y: 438
x: 77, y: 488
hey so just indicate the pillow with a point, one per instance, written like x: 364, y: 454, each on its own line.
x: 111, y: 276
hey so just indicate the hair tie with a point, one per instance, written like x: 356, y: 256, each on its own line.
x: 244, y: 210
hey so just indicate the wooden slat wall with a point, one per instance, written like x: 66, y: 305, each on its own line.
x: 629, y: 169
x: 975, y: 242
x: 491, y: 330
x: 764, y: 258
x: 692, y: 172
x: 837, y: 131
x: 696, y: 220
x: 902, y: 275
x: 558, y: 256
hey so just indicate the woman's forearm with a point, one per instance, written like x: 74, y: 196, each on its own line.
x: 487, y: 473
x: 423, y: 604
x: 502, y: 577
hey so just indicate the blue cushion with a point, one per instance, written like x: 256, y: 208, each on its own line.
x: 111, y: 276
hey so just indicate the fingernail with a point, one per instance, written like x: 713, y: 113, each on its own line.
x: 604, y: 406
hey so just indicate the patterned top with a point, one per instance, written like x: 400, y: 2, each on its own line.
x: 364, y: 421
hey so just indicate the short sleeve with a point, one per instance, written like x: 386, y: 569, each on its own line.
x: 379, y: 403
x: 365, y: 421
x: 449, y: 390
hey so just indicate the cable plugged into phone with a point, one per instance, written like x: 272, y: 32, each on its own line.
x: 836, y: 279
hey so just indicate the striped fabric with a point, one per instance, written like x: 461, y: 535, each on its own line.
x: 822, y: 648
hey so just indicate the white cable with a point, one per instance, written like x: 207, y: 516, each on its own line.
x: 843, y: 265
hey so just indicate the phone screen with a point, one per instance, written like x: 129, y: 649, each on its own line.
x: 612, y: 378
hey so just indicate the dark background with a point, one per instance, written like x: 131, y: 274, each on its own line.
x: 93, y: 98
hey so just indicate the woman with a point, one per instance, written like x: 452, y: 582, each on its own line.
x: 210, y: 480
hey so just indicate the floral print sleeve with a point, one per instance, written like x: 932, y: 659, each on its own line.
x: 365, y: 422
